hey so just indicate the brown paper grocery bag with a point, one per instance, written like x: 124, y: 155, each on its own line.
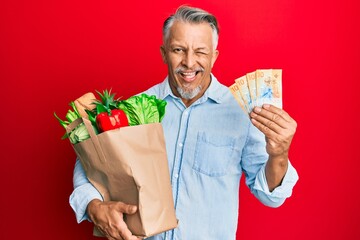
x: 130, y: 165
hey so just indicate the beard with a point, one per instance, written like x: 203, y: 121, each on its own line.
x: 184, y: 92
x: 188, y: 93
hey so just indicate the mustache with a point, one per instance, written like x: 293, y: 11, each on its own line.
x: 184, y: 69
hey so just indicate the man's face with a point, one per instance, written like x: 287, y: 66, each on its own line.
x: 190, y: 56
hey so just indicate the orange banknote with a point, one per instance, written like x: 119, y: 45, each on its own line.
x: 263, y: 86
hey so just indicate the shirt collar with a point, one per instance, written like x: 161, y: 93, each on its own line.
x: 212, y: 92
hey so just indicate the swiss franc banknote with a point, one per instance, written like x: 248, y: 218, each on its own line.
x: 259, y: 87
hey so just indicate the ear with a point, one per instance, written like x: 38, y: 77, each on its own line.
x: 163, y: 53
x: 214, y: 57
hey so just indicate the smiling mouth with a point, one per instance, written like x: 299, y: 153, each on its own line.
x: 188, y: 76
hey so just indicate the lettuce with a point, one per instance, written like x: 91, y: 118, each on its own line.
x: 143, y: 109
x: 79, y: 134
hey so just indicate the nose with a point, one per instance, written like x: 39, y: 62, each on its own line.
x: 189, y: 60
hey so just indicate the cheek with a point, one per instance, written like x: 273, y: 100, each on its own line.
x: 174, y: 60
x: 207, y: 64
x: 206, y: 61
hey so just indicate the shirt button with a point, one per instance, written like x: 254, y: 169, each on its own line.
x: 176, y: 175
x: 180, y: 144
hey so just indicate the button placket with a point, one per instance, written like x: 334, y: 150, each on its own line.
x: 179, y: 153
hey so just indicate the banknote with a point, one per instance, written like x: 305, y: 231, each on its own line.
x: 235, y: 90
x: 262, y: 86
x: 244, y: 90
x: 251, y: 81
x: 268, y: 87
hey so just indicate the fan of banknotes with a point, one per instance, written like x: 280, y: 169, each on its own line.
x: 259, y: 87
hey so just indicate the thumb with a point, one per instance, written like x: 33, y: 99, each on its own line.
x: 127, y: 208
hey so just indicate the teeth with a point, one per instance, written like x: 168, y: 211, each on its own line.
x: 189, y: 74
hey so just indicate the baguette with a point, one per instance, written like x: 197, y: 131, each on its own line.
x: 85, y: 102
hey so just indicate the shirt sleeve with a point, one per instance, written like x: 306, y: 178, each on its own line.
x: 253, y: 162
x: 280, y: 193
x: 83, y: 193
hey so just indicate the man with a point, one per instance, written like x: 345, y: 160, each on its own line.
x: 209, y: 141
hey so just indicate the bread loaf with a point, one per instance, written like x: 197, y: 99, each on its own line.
x: 85, y: 102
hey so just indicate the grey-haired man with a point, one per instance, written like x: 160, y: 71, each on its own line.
x: 210, y: 143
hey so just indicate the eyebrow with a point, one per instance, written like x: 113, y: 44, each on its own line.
x: 202, y: 49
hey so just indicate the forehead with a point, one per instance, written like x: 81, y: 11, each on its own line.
x: 185, y: 32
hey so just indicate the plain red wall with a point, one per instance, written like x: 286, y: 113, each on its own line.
x: 51, y: 52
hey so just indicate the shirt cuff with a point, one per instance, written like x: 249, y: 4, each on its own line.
x: 80, y: 198
x: 280, y: 193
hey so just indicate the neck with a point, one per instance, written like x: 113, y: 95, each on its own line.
x: 188, y: 102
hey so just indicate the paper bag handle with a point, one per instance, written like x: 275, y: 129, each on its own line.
x: 92, y: 134
x: 73, y: 125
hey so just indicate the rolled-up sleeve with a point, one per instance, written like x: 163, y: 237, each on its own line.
x: 253, y: 162
x: 276, y: 197
x: 83, y: 193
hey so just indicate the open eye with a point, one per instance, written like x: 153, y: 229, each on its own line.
x: 178, y: 50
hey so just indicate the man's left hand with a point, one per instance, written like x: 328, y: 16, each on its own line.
x: 279, y: 129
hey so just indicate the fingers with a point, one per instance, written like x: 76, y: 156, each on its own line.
x: 266, y: 122
x: 126, y: 208
x: 268, y: 130
x: 269, y: 114
x: 278, y: 127
x: 124, y: 231
x: 278, y: 111
x: 108, y: 218
x: 270, y: 118
x: 119, y: 231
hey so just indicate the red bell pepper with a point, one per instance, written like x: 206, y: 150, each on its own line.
x: 116, y: 119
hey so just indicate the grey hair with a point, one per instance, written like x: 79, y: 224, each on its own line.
x: 192, y: 15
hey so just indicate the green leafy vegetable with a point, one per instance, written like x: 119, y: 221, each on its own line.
x: 79, y: 133
x: 143, y: 109
x: 139, y: 109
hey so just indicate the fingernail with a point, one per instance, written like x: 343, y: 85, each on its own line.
x: 257, y: 109
x: 266, y: 106
x: 133, y: 209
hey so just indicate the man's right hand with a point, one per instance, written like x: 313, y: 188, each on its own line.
x: 108, y: 217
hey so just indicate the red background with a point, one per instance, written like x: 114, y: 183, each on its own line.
x: 51, y: 52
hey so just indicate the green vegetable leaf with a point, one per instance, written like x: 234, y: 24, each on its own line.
x: 72, y: 104
x: 100, y: 109
x: 70, y: 116
x: 63, y: 123
x: 80, y: 133
x: 92, y: 117
x: 143, y: 109
x: 161, y: 104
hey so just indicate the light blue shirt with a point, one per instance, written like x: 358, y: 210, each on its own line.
x: 209, y: 145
